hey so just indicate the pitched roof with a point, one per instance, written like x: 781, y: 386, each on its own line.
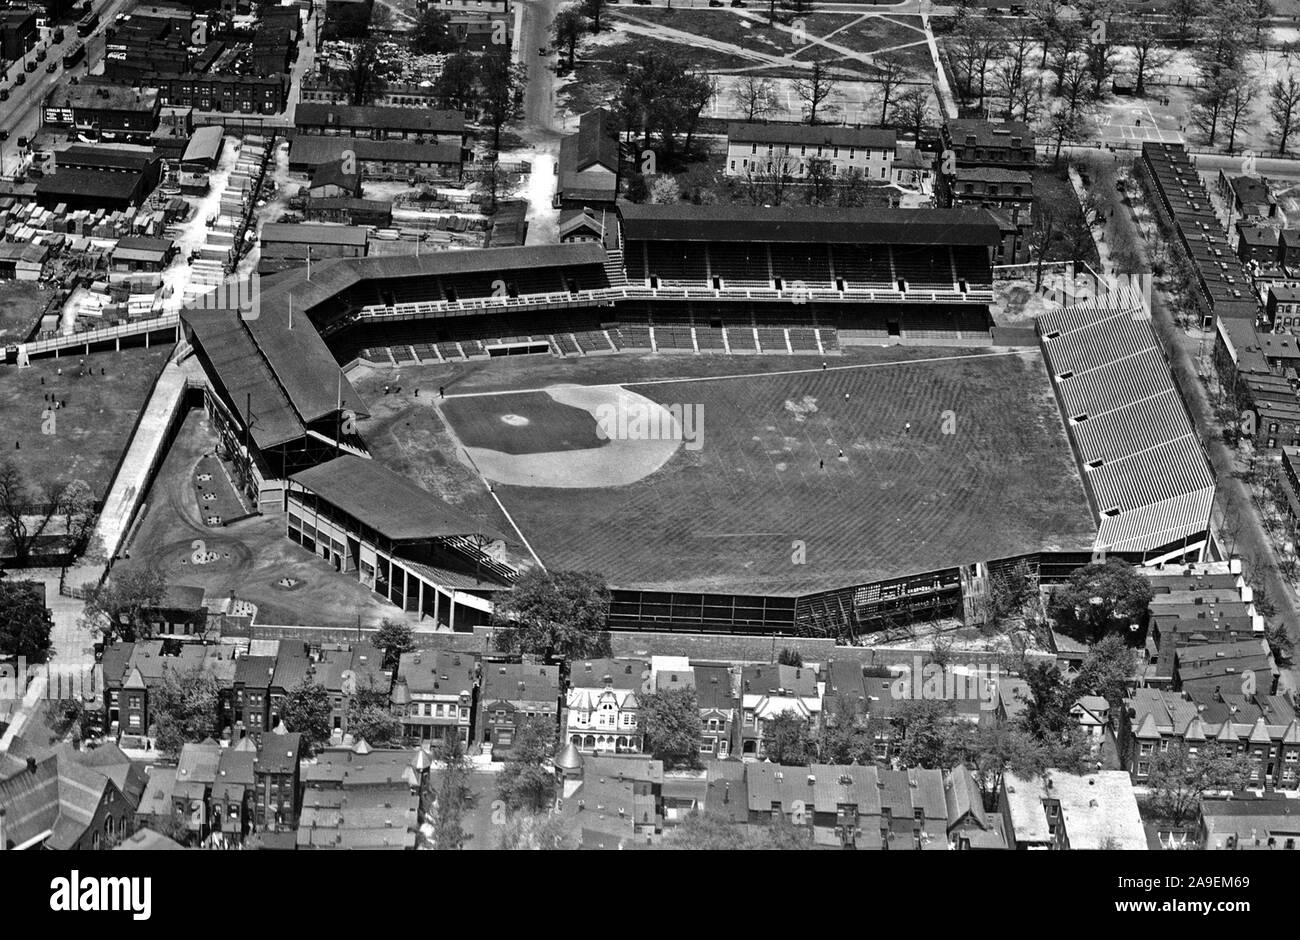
x: 520, y: 682
x: 70, y: 181
x: 818, y: 135
x: 313, y: 150
x: 386, y: 501
x: 370, y: 117
x: 685, y: 222
x: 316, y: 234
x: 247, y: 379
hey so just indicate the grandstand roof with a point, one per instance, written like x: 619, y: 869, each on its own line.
x: 386, y: 501
x: 1139, y: 456
x: 819, y: 135
x: 244, y: 373
x: 684, y: 222
x: 331, y: 277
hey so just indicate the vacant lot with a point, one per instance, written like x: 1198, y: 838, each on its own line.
x: 983, y: 471
x: 21, y: 302
x: 85, y: 437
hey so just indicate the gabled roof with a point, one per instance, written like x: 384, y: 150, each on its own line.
x: 370, y: 117
x: 818, y: 135
x: 520, y: 682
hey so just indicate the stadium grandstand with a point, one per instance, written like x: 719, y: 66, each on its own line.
x: 276, y: 396
x: 1146, y: 476
x: 1184, y: 206
x: 698, y: 280
x: 399, y: 540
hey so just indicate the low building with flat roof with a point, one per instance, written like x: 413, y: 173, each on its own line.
x: 1060, y: 810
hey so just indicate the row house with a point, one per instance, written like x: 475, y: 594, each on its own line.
x: 1061, y: 811
x: 1242, y: 824
x: 792, y: 150
x: 381, y: 123
x: 602, y: 705
x: 852, y: 806
x: 362, y: 798
x: 769, y: 691
x: 719, y: 711
x: 1265, y: 246
x: 133, y: 672
x: 610, y: 802
x: 434, y: 695
x: 1008, y: 145
x: 244, y: 94
x: 512, y: 694
x: 1260, y: 727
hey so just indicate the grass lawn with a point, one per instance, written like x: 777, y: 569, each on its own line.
x: 21, y: 302
x: 86, y: 438
x: 724, y: 517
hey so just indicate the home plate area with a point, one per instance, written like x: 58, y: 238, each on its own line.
x: 565, y: 436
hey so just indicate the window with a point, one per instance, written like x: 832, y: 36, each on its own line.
x: 706, y: 746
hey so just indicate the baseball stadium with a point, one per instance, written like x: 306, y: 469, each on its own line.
x: 748, y: 420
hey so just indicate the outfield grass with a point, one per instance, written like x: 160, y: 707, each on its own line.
x: 727, y: 517
x: 87, y: 438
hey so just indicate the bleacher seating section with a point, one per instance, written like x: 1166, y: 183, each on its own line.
x: 674, y: 337
x: 740, y: 338
x: 772, y: 341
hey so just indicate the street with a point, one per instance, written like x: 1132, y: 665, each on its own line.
x: 21, y: 114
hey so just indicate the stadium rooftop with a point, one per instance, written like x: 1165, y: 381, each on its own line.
x: 807, y: 224
x: 386, y: 501
x: 1143, y: 467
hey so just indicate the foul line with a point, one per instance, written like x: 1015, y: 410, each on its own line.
x: 745, y: 375
x: 500, y: 505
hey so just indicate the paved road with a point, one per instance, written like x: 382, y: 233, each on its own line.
x: 21, y: 114
x: 541, y: 127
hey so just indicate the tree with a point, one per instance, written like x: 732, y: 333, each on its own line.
x: 362, y: 80
x: 394, y: 639
x: 456, y: 85
x: 789, y: 657
x: 927, y: 733
x: 306, y: 710
x: 1100, y: 598
x: 535, y: 832
x: 525, y: 782
x: 911, y: 109
x: 1219, y: 60
x: 25, y: 623
x: 755, y: 96
x: 593, y: 9
x: 845, y: 733
x: 1178, y: 777
x: 663, y: 190
x: 891, y: 70
x: 1284, y: 99
x: 1185, y: 14
x: 1241, y: 95
x: 788, y: 739
x: 554, y: 614
x: 1107, y: 671
x: 661, y: 98
x: 432, y: 33
x: 670, y: 724
x: 184, y: 708
x: 503, y: 82
x: 1019, y: 39
x: 25, y: 514
x: 117, y: 607
x: 1148, y: 55
x: 370, y: 717
x: 814, y: 89
x: 71, y: 717
x: 1008, y: 593
x: 567, y: 28
x: 1068, y: 111
x: 453, y: 796
x: 1047, y: 706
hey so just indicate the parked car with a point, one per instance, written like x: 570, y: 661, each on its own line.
x: 22, y: 143
x: 40, y: 55
x: 737, y: 3
x: 715, y: 3
x: 52, y: 67
x: 4, y: 134
x: 30, y: 67
x: 4, y: 94
x: 58, y: 35
x: 21, y: 79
